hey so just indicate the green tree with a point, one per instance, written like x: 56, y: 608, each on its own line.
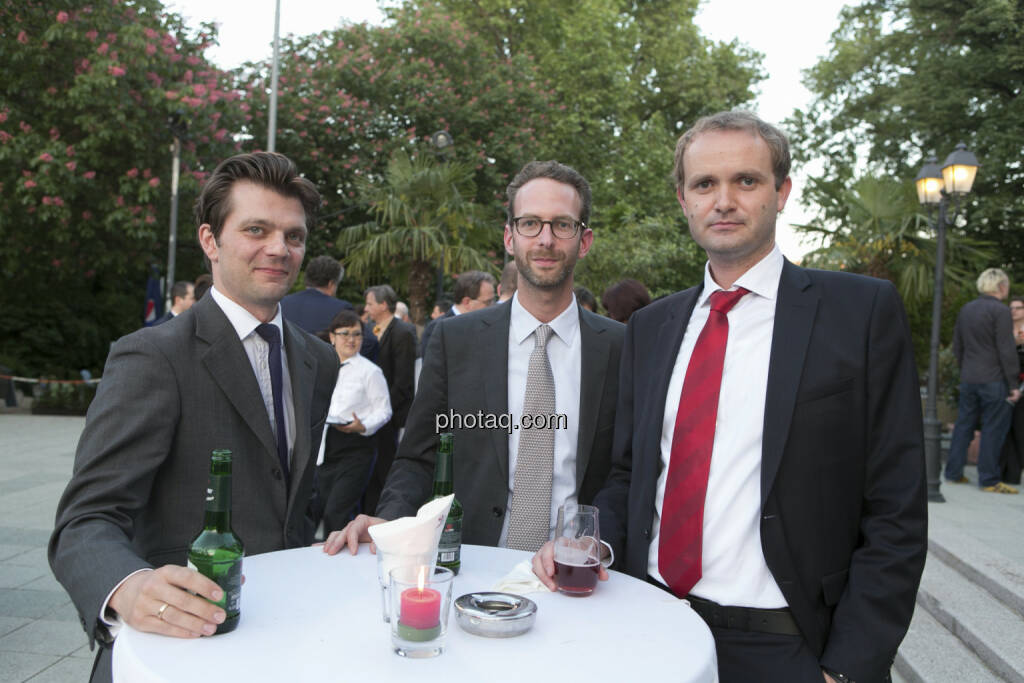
x: 883, y: 234
x: 423, y: 212
x: 84, y: 162
x: 351, y: 98
x: 905, y: 78
x: 628, y: 77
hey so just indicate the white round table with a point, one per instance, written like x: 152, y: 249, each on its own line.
x: 309, y: 617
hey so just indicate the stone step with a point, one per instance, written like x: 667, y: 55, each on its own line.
x: 983, y: 565
x: 987, y: 626
x: 931, y: 654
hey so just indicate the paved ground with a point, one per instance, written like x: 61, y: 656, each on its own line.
x: 40, y: 637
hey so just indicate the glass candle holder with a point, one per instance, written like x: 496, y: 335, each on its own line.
x: 386, y: 561
x: 419, y: 598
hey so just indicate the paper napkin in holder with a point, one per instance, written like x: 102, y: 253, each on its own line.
x: 412, y: 540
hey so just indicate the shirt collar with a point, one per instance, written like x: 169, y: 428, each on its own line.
x: 566, y: 324
x: 242, y: 320
x: 762, y: 278
x: 455, y: 310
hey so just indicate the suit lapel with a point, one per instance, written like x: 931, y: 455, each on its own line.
x: 671, y: 331
x: 593, y: 367
x: 228, y: 364
x: 795, y: 311
x: 493, y: 342
x: 302, y: 371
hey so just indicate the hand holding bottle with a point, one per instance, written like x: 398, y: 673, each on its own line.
x: 171, y: 600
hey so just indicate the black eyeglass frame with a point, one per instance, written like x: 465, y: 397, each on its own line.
x: 576, y: 226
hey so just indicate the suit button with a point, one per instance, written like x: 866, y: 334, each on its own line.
x: 647, y: 534
x: 496, y: 511
x: 276, y: 473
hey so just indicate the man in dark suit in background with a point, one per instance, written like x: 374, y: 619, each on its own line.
x: 397, y: 359
x: 182, y: 298
x: 768, y: 458
x: 485, y: 371
x: 217, y: 376
x: 314, y: 308
x: 474, y: 290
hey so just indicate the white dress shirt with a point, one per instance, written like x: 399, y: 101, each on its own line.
x: 565, y: 356
x: 258, y: 349
x: 734, y: 571
x: 361, y: 389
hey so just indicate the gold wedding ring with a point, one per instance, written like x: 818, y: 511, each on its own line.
x: 160, y: 612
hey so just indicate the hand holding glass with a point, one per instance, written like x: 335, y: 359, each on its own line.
x: 577, y: 550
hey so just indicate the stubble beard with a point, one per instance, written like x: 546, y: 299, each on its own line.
x: 554, y: 281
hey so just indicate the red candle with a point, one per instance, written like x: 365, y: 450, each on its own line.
x: 420, y: 608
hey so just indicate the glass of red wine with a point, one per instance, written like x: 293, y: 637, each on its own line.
x: 577, y: 550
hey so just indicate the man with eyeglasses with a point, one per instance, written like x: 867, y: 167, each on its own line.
x: 537, y: 354
x: 474, y: 290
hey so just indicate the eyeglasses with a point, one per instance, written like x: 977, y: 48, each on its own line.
x: 348, y: 333
x: 563, y: 228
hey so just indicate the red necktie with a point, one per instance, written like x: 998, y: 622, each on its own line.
x: 682, y: 514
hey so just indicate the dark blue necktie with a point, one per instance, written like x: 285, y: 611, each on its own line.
x: 273, y: 337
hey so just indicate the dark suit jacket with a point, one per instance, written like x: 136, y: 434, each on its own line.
x: 397, y: 359
x: 162, y: 319
x: 313, y: 311
x: 844, y: 516
x: 169, y: 396
x: 466, y: 371
x: 983, y: 343
x: 429, y: 330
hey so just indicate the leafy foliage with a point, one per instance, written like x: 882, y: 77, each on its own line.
x: 905, y: 78
x: 83, y: 150
x: 423, y: 213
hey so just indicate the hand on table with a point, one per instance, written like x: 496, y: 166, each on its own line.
x: 160, y: 602
x: 354, y: 533
x: 544, y: 566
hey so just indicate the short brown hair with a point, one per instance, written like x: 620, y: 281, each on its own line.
x: 555, y: 171
x: 271, y: 170
x: 776, y: 140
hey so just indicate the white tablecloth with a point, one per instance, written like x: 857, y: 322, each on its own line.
x: 309, y: 617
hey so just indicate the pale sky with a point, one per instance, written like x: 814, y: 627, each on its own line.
x: 791, y: 35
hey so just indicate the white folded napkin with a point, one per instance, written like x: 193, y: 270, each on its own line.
x: 413, y: 536
x: 520, y: 580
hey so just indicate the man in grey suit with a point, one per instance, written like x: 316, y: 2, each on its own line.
x: 477, y: 378
x: 171, y: 394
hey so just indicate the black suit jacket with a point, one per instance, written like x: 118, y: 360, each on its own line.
x: 313, y: 311
x: 844, y: 513
x: 169, y: 396
x: 466, y: 371
x: 429, y: 330
x: 397, y: 359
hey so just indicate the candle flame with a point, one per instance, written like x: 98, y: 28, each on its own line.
x: 421, y: 580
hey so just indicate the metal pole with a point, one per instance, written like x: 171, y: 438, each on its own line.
x: 172, y: 241
x: 272, y: 118
x: 932, y: 426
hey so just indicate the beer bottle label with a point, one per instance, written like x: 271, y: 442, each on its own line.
x: 448, y: 549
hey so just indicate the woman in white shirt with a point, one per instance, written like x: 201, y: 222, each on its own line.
x: 359, y: 407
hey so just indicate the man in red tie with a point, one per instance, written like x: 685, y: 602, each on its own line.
x: 768, y: 460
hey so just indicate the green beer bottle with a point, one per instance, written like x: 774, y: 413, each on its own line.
x: 450, y: 547
x: 216, y: 552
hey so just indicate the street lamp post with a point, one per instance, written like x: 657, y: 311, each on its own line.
x: 442, y: 141
x: 178, y: 127
x: 936, y: 186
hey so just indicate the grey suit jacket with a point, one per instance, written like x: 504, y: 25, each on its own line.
x: 169, y: 396
x: 466, y: 371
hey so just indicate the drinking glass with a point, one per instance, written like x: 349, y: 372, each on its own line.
x: 386, y: 561
x: 577, y: 550
x: 419, y: 598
